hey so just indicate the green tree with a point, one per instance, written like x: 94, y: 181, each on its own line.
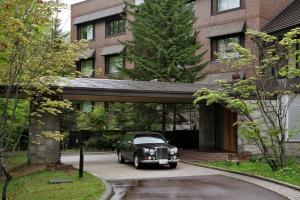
x: 164, y: 45
x: 94, y: 121
x: 263, y: 100
x: 32, y: 58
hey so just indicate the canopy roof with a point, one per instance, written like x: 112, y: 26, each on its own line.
x: 287, y: 18
x: 106, y: 90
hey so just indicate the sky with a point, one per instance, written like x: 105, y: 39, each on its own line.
x: 65, y: 15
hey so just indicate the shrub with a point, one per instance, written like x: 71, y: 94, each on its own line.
x: 105, y: 141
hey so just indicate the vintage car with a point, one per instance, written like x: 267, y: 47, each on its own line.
x: 146, y: 148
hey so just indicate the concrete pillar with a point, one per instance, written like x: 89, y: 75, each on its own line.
x: 207, y: 128
x: 43, y: 150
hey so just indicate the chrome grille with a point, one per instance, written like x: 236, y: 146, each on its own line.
x: 161, y: 153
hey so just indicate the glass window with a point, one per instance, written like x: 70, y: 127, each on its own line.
x: 115, y: 25
x: 87, y: 67
x: 228, y: 4
x: 86, y: 32
x: 149, y: 140
x: 224, y: 49
x: 138, y: 2
x: 192, y: 5
x: 114, y: 64
x: 86, y: 106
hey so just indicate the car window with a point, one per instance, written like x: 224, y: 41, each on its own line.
x: 148, y: 140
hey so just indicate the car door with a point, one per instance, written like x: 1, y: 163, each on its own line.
x: 127, y: 146
x: 131, y: 150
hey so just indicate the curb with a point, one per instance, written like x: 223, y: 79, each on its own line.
x: 247, y: 174
x: 109, y: 191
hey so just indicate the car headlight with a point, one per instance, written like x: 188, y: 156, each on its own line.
x: 146, y: 151
x: 152, y: 152
x: 173, y: 151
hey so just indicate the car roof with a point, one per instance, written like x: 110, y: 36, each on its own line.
x: 146, y: 132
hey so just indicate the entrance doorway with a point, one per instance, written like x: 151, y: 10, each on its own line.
x: 217, y: 131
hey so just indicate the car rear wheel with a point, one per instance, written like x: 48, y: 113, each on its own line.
x: 120, y: 158
x: 173, y: 165
x: 137, y: 163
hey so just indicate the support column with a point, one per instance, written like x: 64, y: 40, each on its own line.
x: 43, y: 150
x: 207, y: 127
x: 163, y: 118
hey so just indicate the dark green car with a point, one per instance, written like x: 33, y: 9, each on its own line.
x: 146, y: 148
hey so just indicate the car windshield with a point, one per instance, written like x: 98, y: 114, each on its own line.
x: 148, y: 140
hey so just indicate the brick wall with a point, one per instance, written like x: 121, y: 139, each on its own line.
x: 100, y: 40
x: 256, y: 13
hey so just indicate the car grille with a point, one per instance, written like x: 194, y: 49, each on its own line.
x: 161, y: 153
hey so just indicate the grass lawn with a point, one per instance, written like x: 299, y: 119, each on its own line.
x: 290, y: 174
x: 15, y: 159
x: 35, y: 186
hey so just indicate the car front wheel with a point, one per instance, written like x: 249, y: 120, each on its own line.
x: 120, y: 158
x: 137, y: 163
x: 173, y: 165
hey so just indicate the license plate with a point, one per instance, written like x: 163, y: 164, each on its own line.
x: 163, y: 162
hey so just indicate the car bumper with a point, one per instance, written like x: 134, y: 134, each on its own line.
x: 157, y: 161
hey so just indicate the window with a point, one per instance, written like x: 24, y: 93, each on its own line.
x: 86, y: 32
x: 114, y: 64
x: 86, y: 106
x: 220, y: 6
x: 228, y: 4
x: 223, y: 49
x: 115, y: 25
x: 139, y: 2
x: 86, y: 67
x: 192, y: 5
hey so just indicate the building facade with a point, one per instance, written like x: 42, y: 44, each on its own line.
x: 219, y: 22
x: 103, y: 23
x: 285, y: 20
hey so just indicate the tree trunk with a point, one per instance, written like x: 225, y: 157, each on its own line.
x: 8, y: 178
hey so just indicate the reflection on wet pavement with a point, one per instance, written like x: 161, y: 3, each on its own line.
x: 212, y: 187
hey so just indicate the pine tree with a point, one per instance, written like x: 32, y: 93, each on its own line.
x: 164, y: 45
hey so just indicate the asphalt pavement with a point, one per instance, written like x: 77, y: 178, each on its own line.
x: 186, y: 182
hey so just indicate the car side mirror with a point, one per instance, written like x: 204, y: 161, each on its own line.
x: 168, y: 141
x: 129, y: 142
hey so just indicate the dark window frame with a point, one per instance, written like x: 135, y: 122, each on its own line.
x: 215, y: 5
x: 214, y: 42
x: 112, y: 19
x: 107, y: 61
x: 81, y: 26
x: 93, y: 66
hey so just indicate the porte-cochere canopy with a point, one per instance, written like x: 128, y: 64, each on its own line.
x: 107, y: 90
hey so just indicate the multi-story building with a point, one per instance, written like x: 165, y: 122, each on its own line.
x: 285, y: 20
x: 220, y: 22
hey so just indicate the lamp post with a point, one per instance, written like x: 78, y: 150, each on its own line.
x: 81, y: 156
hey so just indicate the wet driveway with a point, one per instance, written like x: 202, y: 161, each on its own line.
x: 212, y: 187
x: 185, y: 182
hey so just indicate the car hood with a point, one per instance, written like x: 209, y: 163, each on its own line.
x: 154, y: 145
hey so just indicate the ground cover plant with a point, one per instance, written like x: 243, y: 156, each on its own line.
x: 289, y: 174
x: 35, y: 186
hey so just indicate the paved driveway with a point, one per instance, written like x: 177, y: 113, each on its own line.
x: 185, y: 182
x: 106, y: 165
